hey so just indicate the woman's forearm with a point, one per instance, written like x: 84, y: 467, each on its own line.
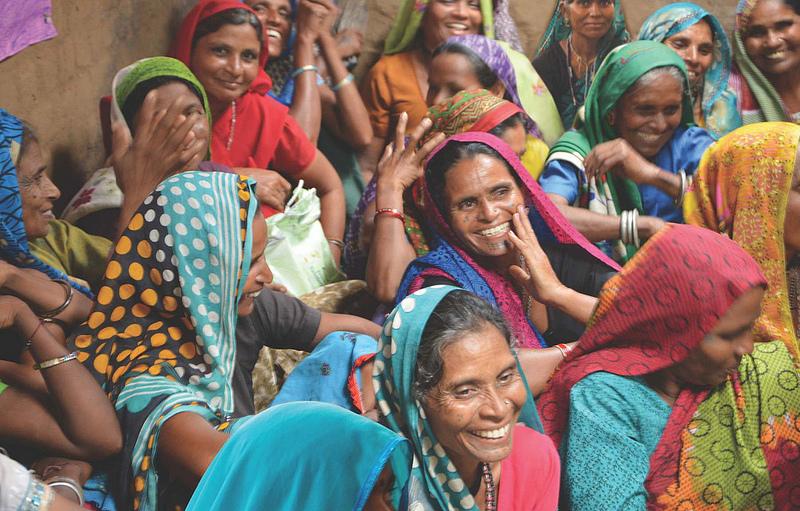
x: 595, y: 226
x: 572, y: 303
x: 305, y: 108
x: 667, y: 182
x: 322, y: 176
x: 538, y: 366
x: 43, y: 294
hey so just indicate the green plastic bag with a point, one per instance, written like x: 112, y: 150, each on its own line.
x: 297, y: 250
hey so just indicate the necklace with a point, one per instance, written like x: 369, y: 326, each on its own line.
x: 233, y: 125
x: 488, y: 478
x: 589, y: 69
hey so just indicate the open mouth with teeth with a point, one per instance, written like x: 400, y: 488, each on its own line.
x: 457, y: 27
x: 775, y: 55
x: 254, y: 294
x: 274, y: 34
x: 493, y: 434
x: 496, y: 230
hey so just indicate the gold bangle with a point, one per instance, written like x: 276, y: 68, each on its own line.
x: 47, y: 364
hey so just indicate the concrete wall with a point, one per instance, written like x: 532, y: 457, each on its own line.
x: 55, y: 85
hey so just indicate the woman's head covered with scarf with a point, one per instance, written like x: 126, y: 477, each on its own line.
x: 742, y: 190
x: 559, y: 29
x: 452, y: 259
x: 718, y: 105
x: 14, y: 139
x: 318, y: 469
x: 655, y: 313
x: 403, y: 385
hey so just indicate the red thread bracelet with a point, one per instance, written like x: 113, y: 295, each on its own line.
x: 564, y: 349
x: 392, y: 212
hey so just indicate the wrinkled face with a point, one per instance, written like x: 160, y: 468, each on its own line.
x: 791, y: 225
x: 473, y: 408
x: 515, y: 137
x: 226, y: 62
x: 260, y: 274
x: 772, y: 39
x: 37, y: 191
x: 722, y: 349
x: 647, y: 116
x: 189, y: 105
x: 695, y: 45
x: 481, y: 196
x: 276, y: 18
x: 445, y: 18
x: 591, y: 19
x: 450, y: 73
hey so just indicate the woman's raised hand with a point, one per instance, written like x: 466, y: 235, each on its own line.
x: 401, y: 163
x: 619, y: 157
x: 533, y: 271
x: 313, y: 18
x: 272, y: 188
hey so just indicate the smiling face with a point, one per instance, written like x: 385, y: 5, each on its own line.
x: 480, y: 198
x: 276, y: 18
x: 260, y: 274
x: 772, y: 38
x: 226, y: 62
x: 695, y: 45
x: 590, y: 19
x: 188, y: 104
x: 446, y: 18
x: 473, y: 408
x: 36, y: 189
x: 450, y: 73
x: 647, y: 115
x: 721, y: 351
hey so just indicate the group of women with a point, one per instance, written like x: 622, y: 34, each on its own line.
x: 599, y: 318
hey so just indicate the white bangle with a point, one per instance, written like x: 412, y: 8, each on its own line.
x: 69, y: 484
x: 684, y: 186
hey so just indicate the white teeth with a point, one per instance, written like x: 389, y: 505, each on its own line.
x: 456, y: 26
x: 254, y: 294
x: 495, y: 433
x: 273, y: 33
x: 496, y: 230
x: 776, y: 55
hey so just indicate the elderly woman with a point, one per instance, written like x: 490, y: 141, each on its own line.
x: 748, y: 188
x: 398, y: 82
x: 577, y: 40
x: 665, y: 404
x: 699, y: 38
x: 634, y: 155
x: 447, y: 379
x: 161, y: 337
x: 251, y: 130
x: 766, y: 52
x: 319, y: 470
x: 476, y: 195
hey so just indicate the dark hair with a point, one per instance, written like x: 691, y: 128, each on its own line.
x: 486, y: 76
x: 512, y: 122
x: 228, y: 17
x: 133, y: 103
x: 794, y: 4
x: 447, y: 158
x: 459, y: 313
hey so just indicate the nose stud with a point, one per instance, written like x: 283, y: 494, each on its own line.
x: 507, y: 401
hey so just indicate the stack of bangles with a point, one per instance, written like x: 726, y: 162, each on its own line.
x: 685, y: 182
x: 564, y: 349
x: 336, y: 243
x: 629, y: 228
x: 390, y: 212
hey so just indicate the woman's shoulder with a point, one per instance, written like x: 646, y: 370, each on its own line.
x: 533, y: 443
x: 601, y: 391
x: 391, y: 63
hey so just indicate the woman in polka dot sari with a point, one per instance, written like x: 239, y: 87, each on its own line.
x: 161, y: 337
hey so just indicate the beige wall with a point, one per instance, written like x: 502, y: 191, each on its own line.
x: 55, y: 85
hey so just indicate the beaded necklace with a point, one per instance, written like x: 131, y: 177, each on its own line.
x: 233, y: 125
x: 590, y: 68
x: 488, y: 478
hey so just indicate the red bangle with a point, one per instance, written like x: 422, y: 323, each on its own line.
x: 564, y: 349
x: 392, y: 212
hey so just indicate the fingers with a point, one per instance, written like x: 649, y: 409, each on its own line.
x: 120, y: 140
x: 145, y: 121
x: 400, y: 133
x: 387, y: 153
x: 429, y: 146
x: 416, y: 136
x: 523, y: 228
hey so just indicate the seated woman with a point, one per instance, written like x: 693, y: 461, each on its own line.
x: 475, y: 188
x: 447, y: 379
x: 634, y: 155
x: 161, y: 337
x: 398, y: 82
x: 665, y: 404
x: 765, y: 52
x: 755, y: 201
x: 398, y: 187
x: 223, y: 44
x: 580, y: 35
x: 357, y: 468
x: 699, y: 38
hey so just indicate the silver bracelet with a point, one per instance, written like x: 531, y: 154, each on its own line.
x: 684, y: 186
x: 70, y: 484
x: 635, y: 228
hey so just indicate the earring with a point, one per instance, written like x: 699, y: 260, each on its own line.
x: 508, y: 401
x: 611, y: 118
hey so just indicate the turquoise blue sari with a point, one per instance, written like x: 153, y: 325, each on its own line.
x: 302, y: 456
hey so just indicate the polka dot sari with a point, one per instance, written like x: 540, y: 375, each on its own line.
x: 161, y: 338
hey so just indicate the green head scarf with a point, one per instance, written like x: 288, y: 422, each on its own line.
x: 128, y: 78
x: 409, y: 18
x: 619, y: 71
x: 393, y: 377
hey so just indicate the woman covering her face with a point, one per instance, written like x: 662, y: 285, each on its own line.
x: 699, y: 38
x: 748, y: 188
x: 625, y: 171
x: 665, y: 403
x: 447, y: 379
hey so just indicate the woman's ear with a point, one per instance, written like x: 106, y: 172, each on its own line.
x: 611, y: 118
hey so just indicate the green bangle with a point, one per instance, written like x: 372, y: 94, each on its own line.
x: 300, y: 70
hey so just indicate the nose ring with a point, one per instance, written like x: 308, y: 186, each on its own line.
x: 507, y: 401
